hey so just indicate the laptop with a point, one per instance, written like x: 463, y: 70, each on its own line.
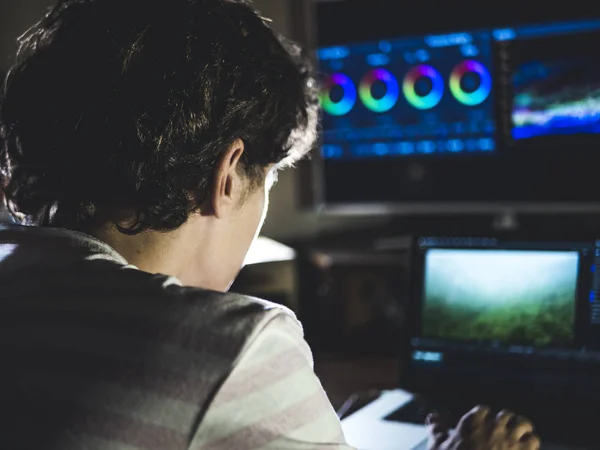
x: 510, y: 323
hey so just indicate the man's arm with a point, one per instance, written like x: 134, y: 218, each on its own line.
x: 272, y: 398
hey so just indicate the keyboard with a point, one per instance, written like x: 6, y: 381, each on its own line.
x: 416, y: 411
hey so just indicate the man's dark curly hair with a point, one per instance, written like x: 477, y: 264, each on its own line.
x: 129, y: 104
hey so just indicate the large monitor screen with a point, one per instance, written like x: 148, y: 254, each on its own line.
x: 505, y: 113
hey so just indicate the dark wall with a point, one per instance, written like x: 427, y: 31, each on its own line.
x: 16, y: 16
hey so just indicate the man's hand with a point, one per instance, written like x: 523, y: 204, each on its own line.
x: 479, y: 430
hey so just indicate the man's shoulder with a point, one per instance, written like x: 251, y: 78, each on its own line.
x: 216, y: 321
x: 231, y: 317
x: 230, y: 313
x: 226, y: 323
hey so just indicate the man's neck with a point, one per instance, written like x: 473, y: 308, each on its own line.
x: 175, y: 253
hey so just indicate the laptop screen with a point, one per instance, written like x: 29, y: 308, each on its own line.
x: 488, y: 311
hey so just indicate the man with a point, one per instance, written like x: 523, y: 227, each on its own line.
x: 141, y: 138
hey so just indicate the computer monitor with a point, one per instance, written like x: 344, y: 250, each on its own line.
x: 519, y: 315
x: 494, y: 114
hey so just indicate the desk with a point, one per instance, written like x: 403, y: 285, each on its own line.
x: 342, y: 376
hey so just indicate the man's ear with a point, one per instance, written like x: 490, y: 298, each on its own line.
x: 227, y: 184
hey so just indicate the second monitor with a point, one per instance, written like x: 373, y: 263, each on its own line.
x: 506, y: 114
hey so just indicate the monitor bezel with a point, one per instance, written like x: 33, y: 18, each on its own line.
x: 414, y: 302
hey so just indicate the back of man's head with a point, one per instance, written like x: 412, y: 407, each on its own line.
x: 128, y: 104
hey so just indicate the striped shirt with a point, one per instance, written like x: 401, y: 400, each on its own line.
x: 98, y: 355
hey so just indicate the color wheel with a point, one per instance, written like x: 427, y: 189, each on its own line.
x: 348, y: 100
x: 390, y: 98
x: 433, y: 97
x: 478, y: 95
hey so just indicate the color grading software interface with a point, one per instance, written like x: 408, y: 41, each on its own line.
x: 455, y: 93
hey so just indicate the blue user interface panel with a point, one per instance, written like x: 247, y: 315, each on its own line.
x: 473, y: 92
